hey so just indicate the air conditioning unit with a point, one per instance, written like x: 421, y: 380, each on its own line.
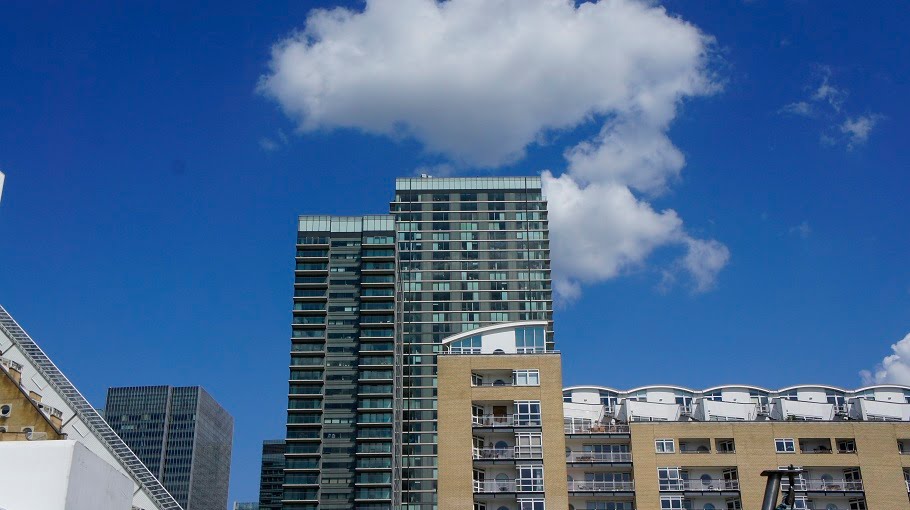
x: 6, y: 410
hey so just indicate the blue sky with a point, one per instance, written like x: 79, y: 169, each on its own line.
x: 148, y: 216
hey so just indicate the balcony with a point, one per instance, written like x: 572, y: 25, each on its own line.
x: 823, y: 485
x: 872, y: 410
x: 716, y: 410
x: 798, y: 410
x: 509, y: 453
x: 595, y: 428
x: 505, y: 421
x: 506, y: 486
x: 600, y: 486
x: 717, y: 485
x: 815, y: 446
x: 598, y: 457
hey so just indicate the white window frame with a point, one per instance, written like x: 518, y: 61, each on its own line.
x: 533, y: 483
x: 528, y: 445
x: 526, y: 416
x: 784, y: 445
x: 674, y: 480
x: 671, y: 500
x: 664, y: 445
x: 531, y: 504
x: 530, y: 376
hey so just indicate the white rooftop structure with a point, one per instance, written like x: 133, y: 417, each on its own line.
x: 810, y: 402
x: 55, y: 475
x: 81, y: 422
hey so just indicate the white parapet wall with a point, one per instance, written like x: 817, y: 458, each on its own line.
x: 58, y: 475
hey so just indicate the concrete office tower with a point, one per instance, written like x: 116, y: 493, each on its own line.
x: 271, y: 477
x: 471, y: 252
x: 182, y: 435
x: 340, y: 396
x: 38, y: 402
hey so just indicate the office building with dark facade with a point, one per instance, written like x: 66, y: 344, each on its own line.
x: 463, y: 253
x: 271, y: 477
x: 182, y: 435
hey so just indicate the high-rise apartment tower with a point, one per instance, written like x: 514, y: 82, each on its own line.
x: 374, y: 297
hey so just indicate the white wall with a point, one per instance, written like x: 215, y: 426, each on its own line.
x: 56, y: 475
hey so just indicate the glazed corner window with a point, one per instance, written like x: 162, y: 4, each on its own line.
x: 529, y: 340
x: 664, y: 446
x: 470, y: 345
x: 527, y: 377
x: 784, y: 445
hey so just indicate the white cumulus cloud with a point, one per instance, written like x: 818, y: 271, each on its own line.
x: 478, y: 81
x: 857, y: 129
x: 893, y: 369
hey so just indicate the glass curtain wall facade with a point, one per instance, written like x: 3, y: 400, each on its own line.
x: 471, y: 252
x: 271, y: 476
x: 340, y: 398
x: 182, y: 436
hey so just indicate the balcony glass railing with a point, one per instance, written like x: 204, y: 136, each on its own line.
x: 601, y: 486
x: 595, y: 428
x: 825, y: 485
x: 495, y: 486
x: 710, y: 485
x: 576, y: 456
x: 505, y: 421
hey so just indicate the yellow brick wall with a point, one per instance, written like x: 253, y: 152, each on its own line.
x: 24, y: 413
x: 877, y: 456
x: 455, y: 433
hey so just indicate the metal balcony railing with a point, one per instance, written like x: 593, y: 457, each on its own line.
x: 493, y: 453
x: 596, y: 428
x: 505, y: 421
x: 709, y: 485
x: 496, y: 486
x: 576, y: 456
x: 703, y: 449
x: 825, y: 485
x: 601, y: 486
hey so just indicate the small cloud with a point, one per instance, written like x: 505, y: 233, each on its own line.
x: 798, y: 108
x: 268, y: 144
x: 803, y: 230
x: 273, y: 144
x: 829, y: 93
x: 857, y: 129
x: 894, y: 369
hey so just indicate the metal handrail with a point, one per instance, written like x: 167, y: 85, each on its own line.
x: 580, y: 456
x: 494, y: 486
x: 710, y: 485
x: 813, y: 484
x: 504, y: 421
x: 601, y: 486
x: 595, y: 428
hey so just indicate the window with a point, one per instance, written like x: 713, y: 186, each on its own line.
x: 530, y: 478
x: 671, y: 502
x: 528, y: 446
x: 528, y: 340
x: 664, y: 446
x: 857, y: 504
x: 726, y: 446
x: 785, y: 445
x: 734, y: 504
x: 530, y: 504
x: 846, y: 446
x: 608, y: 505
x: 470, y: 345
x: 527, y: 413
x: 670, y: 479
x: 527, y: 377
